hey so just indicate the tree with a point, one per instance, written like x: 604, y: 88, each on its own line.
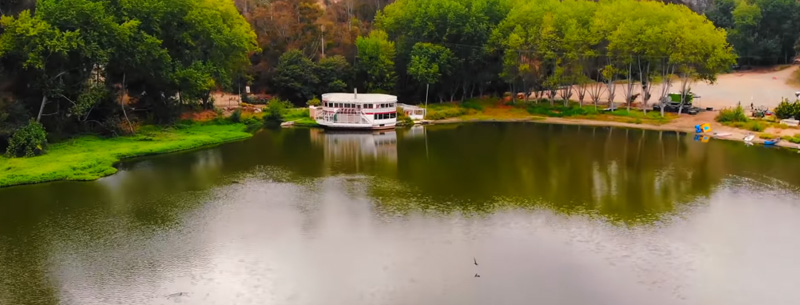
x: 376, y: 62
x: 334, y: 73
x: 160, y: 53
x: 294, y: 78
x: 429, y: 62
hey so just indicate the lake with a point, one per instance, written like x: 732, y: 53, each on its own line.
x: 551, y: 214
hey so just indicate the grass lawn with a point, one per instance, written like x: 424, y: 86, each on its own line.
x: 91, y: 157
x: 300, y: 117
x: 492, y: 109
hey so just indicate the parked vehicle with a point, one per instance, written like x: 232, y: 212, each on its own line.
x: 672, y: 103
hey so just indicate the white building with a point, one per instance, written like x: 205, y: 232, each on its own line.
x: 357, y: 111
x: 416, y: 113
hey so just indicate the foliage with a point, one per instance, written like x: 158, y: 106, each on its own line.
x: 28, y: 141
x: 559, y: 111
x: 333, y: 73
x: 767, y: 136
x: 732, y: 115
x: 12, y: 117
x: 761, y: 31
x: 91, y: 157
x: 403, y: 119
x: 445, y: 111
x: 236, y: 116
x: 376, y: 62
x: 313, y: 102
x: 77, y: 55
x: 546, y: 46
x: 299, y: 79
x: 274, y: 111
x: 293, y: 79
x: 430, y: 62
x: 473, y: 103
x: 755, y: 125
x: 787, y: 110
x: 795, y: 139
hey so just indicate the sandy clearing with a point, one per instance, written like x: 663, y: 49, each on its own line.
x: 758, y: 88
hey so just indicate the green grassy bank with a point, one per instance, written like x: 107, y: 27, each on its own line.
x: 91, y: 157
x: 494, y: 109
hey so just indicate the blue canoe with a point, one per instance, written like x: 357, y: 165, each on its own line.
x: 771, y: 142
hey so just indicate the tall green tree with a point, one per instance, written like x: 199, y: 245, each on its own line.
x: 376, y: 62
x: 334, y: 73
x: 429, y: 63
x: 294, y: 78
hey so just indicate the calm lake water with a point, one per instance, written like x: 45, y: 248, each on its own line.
x: 552, y: 215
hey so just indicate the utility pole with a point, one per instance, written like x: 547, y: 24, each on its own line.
x: 426, y: 101
x: 322, y: 37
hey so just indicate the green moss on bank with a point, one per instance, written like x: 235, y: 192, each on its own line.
x: 91, y: 157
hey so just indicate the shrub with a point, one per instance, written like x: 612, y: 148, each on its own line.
x: 767, y: 136
x: 236, y: 116
x: 403, y: 119
x: 559, y: 111
x: 313, y: 102
x: 28, y: 141
x: 291, y: 114
x: 273, y: 113
x: 755, y: 126
x: 444, y: 113
x: 474, y: 104
x: 732, y: 115
x: 795, y: 139
x: 787, y: 110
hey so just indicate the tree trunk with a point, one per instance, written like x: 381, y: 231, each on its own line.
x: 122, y: 105
x: 41, y: 108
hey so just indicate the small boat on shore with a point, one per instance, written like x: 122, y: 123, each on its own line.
x: 772, y: 142
x: 749, y: 138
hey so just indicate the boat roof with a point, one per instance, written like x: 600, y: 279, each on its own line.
x: 359, y: 98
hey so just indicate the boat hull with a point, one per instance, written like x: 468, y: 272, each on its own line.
x: 330, y: 125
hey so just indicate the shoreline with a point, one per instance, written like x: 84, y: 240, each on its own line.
x: 28, y: 171
x: 685, y: 126
x: 89, y: 158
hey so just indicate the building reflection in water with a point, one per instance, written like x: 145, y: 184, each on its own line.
x: 357, y: 151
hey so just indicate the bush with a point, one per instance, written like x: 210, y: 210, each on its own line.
x: 786, y: 110
x: 236, y: 116
x: 767, y: 136
x: 403, y: 119
x: 731, y: 115
x: 28, y: 141
x: 559, y: 111
x: 291, y: 114
x: 755, y: 126
x: 313, y: 102
x: 444, y: 113
x: 474, y: 104
x: 273, y: 113
x: 795, y: 139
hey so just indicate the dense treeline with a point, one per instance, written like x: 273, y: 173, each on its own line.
x: 763, y: 32
x: 104, y: 65
x: 462, y: 48
x: 89, y: 65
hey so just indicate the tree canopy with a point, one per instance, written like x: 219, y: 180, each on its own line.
x: 761, y: 31
x: 76, y: 60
